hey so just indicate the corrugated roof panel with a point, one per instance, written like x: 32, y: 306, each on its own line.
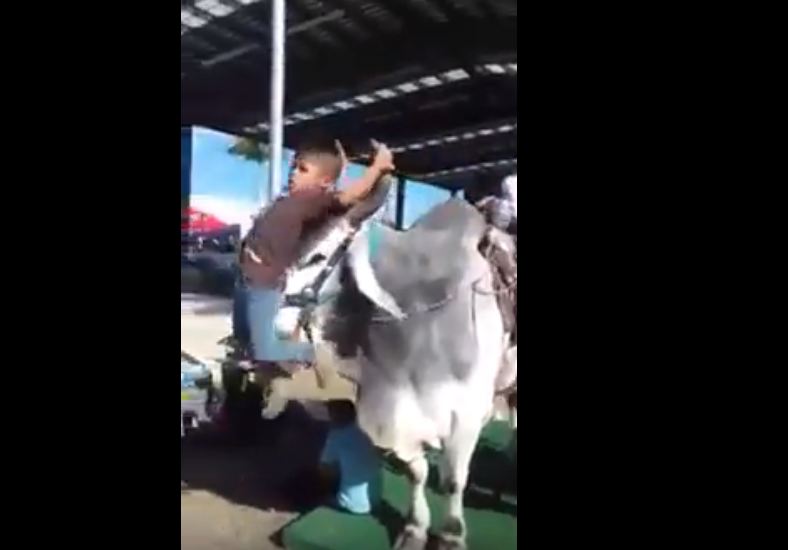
x: 354, y: 29
x: 381, y: 16
x: 465, y: 7
x: 427, y: 8
x: 506, y: 8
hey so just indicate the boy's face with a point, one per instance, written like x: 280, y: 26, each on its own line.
x: 307, y: 175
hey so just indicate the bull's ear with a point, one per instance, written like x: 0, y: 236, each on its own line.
x: 366, y: 280
x: 373, y: 202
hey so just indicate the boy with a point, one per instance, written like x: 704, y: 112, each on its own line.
x: 272, y: 245
x: 240, y: 333
x: 350, y: 459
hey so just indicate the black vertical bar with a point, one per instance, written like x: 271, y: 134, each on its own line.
x: 400, y: 216
x: 186, y: 184
x: 186, y: 167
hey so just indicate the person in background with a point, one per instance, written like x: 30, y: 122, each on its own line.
x: 500, y: 211
x: 350, y: 462
x: 509, y: 191
x: 241, y: 337
x: 501, y: 208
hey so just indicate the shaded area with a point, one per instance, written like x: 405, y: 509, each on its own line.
x: 206, y: 274
x: 258, y: 469
x: 214, y: 309
x: 270, y: 466
x: 206, y: 304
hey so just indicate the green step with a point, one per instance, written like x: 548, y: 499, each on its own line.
x: 492, y: 521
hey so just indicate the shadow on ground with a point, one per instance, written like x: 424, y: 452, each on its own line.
x: 258, y: 468
x: 207, y: 277
x: 214, y: 309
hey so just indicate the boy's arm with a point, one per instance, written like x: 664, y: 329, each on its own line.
x: 360, y: 188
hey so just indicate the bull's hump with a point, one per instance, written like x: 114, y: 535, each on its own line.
x: 427, y: 262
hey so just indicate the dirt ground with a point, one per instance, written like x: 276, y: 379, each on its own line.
x: 236, y: 495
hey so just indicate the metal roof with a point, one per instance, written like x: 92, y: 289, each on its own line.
x: 436, y: 79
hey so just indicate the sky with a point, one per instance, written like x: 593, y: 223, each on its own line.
x: 219, y: 173
x: 220, y: 180
x: 419, y: 198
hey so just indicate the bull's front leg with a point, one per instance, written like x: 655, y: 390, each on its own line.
x: 457, y: 450
x: 414, y: 536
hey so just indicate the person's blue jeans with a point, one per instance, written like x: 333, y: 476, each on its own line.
x: 262, y: 306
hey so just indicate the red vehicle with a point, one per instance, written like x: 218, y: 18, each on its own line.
x: 195, y: 222
x: 201, y: 231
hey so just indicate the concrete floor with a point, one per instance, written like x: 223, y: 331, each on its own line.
x: 210, y: 519
x: 204, y: 321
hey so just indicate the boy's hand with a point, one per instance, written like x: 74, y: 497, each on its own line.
x: 381, y: 164
x: 384, y: 159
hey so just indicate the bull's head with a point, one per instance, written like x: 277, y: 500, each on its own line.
x: 338, y: 241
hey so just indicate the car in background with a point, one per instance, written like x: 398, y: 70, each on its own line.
x: 201, y: 231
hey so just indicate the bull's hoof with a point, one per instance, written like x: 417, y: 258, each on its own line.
x: 445, y: 541
x: 412, y: 538
x: 452, y: 535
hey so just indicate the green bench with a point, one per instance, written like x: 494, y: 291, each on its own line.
x: 490, y: 513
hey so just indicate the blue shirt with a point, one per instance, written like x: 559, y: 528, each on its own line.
x: 359, y: 468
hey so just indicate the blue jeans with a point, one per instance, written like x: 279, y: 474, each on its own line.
x: 262, y: 306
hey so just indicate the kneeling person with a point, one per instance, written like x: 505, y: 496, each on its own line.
x: 351, y: 461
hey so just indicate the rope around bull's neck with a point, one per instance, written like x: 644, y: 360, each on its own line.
x: 437, y: 304
x: 337, y: 255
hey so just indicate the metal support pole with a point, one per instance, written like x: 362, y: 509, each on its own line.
x: 275, y: 119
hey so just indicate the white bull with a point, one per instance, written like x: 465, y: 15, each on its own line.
x: 411, y: 316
